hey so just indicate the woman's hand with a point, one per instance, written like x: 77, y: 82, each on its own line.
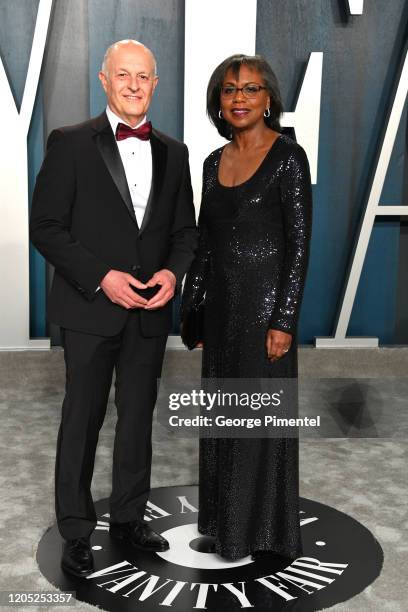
x: 277, y: 343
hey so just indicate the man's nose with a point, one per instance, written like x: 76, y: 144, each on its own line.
x: 133, y: 83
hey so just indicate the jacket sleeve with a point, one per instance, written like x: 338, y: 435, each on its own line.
x: 195, y: 283
x: 296, y: 203
x: 184, y: 235
x: 50, y: 221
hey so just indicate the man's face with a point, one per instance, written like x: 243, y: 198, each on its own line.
x: 129, y: 81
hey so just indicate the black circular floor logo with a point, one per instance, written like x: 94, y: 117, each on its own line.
x: 340, y: 558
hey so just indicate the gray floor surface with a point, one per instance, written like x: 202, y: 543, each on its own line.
x: 360, y: 470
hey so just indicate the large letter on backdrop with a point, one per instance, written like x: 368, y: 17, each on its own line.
x: 14, y: 261
x: 213, y: 31
x: 355, y: 7
x: 305, y: 119
x: 208, y: 41
x: 373, y: 209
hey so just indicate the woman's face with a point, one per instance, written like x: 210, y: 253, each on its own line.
x: 243, y: 110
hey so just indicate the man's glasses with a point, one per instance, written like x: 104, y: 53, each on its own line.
x: 249, y: 91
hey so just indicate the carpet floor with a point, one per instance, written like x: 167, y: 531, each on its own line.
x: 360, y: 470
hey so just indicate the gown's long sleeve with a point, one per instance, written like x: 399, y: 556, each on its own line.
x: 195, y: 282
x: 296, y: 203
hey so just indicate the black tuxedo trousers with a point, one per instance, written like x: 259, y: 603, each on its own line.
x: 91, y: 361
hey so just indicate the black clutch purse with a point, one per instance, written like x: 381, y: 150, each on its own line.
x: 193, y: 327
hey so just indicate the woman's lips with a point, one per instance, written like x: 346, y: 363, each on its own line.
x: 240, y: 112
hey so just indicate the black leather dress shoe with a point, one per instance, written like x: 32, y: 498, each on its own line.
x: 77, y: 557
x: 139, y: 535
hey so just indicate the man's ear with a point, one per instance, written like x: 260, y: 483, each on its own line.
x: 103, y: 80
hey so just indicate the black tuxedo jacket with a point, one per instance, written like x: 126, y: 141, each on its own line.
x: 83, y: 222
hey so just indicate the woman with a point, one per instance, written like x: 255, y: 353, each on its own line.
x: 255, y: 224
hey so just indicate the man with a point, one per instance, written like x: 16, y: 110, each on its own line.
x: 113, y: 212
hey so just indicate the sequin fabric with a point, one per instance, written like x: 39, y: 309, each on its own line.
x: 251, y: 267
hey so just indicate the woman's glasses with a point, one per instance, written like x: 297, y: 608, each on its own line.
x: 251, y: 90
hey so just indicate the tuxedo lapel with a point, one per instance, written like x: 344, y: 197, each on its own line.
x: 159, y: 160
x: 106, y: 144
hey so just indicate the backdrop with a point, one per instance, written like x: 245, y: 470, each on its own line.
x: 361, y: 59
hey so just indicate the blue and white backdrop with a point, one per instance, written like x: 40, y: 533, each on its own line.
x: 343, y: 73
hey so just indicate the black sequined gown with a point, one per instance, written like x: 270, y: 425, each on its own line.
x: 251, y: 264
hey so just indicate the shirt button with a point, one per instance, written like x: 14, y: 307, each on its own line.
x: 134, y: 268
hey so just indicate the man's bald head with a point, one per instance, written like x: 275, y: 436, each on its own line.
x: 121, y: 44
x: 129, y: 79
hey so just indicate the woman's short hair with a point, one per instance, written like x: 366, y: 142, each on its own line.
x: 234, y: 63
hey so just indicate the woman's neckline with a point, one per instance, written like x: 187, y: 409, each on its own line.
x: 256, y: 171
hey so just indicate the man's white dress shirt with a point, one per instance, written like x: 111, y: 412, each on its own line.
x: 136, y: 157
